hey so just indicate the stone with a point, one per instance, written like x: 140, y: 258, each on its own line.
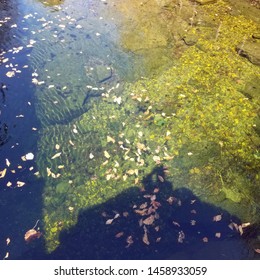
x: 250, y: 50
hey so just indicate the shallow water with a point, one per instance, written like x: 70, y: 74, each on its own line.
x: 102, y: 163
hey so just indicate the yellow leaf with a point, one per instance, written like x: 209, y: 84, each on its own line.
x: 2, y: 173
x: 56, y: 155
x: 110, y: 139
x: 106, y: 154
x: 20, y: 184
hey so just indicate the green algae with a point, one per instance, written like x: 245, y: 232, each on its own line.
x: 192, y: 118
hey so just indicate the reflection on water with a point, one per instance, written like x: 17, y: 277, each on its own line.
x: 105, y: 94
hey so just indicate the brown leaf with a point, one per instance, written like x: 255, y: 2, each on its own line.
x: 119, y: 234
x: 142, y: 206
x: 149, y: 221
x: 141, y: 212
x: 145, y: 239
x: 217, y: 218
x: 31, y: 234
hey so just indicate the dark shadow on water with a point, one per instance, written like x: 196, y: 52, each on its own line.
x: 154, y: 223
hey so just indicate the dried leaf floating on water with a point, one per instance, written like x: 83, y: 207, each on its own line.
x: 56, y: 155
x: 217, y: 218
x: 31, y: 234
x: 205, y: 239
x: 181, y: 236
x: 145, y: 239
x: 161, y: 179
x: 257, y: 251
x: 149, y: 221
x: 20, y: 184
x: 29, y: 156
x: 2, y: 173
x: 129, y: 241
x: 9, y: 184
x: 7, y: 162
x: 8, y: 240
x: 109, y: 221
x: 10, y: 74
x: 6, y: 255
x: 119, y: 234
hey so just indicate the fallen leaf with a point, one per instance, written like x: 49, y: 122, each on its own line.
x: 119, y: 234
x: 10, y: 74
x: 218, y: 234
x: 257, y: 251
x: 110, y: 139
x: 176, y: 223
x: 57, y: 146
x: 106, y: 154
x: 6, y: 255
x: 145, y: 239
x: 244, y: 225
x: 56, y: 155
x: 2, y: 173
x: 109, y: 221
x: 129, y: 241
x: 20, y: 184
x: 149, y: 221
x: 217, y: 218
x: 31, y: 234
x: 71, y: 143
x: 181, y: 236
x: 205, y: 239
x: 161, y: 179
x: 7, y: 162
x: 29, y: 156
x: 9, y: 184
x: 8, y: 240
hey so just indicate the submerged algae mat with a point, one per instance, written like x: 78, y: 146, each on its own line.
x: 192, y: 118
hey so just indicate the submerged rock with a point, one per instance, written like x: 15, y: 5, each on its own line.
x: 250, y: 50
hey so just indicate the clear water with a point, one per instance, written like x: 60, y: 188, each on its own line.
x: 70, y: 101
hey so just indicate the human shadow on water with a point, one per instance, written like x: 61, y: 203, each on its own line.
x: 153, y: 223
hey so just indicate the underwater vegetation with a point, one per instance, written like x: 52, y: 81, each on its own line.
x: 196, y: 118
